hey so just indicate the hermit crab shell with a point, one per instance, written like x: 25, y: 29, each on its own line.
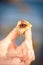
x: 22, y: 26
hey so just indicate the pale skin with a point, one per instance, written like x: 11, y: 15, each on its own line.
x: 11, y: 54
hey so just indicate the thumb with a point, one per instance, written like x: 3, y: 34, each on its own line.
x: 7, y: 40
x: 12, y: 35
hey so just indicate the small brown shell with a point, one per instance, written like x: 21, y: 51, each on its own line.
x: 22, y: 26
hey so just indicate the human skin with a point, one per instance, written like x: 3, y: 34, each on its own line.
x: 11, y: 54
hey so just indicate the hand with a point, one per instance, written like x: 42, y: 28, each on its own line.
x: 10, y: 53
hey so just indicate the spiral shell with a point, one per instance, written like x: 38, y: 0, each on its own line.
x: 22, y: 26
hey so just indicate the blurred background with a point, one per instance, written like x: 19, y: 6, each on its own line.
x: 31, y: 10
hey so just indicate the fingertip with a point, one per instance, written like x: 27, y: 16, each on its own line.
x: 28, y: 34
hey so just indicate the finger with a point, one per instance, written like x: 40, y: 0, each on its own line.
x: 28, y: 41
x: 28, y: 37
x: 28, y: 52
x: 17, y: 61
x: 13, y: 34
x: 28, y: 34
x: 27, y: 45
